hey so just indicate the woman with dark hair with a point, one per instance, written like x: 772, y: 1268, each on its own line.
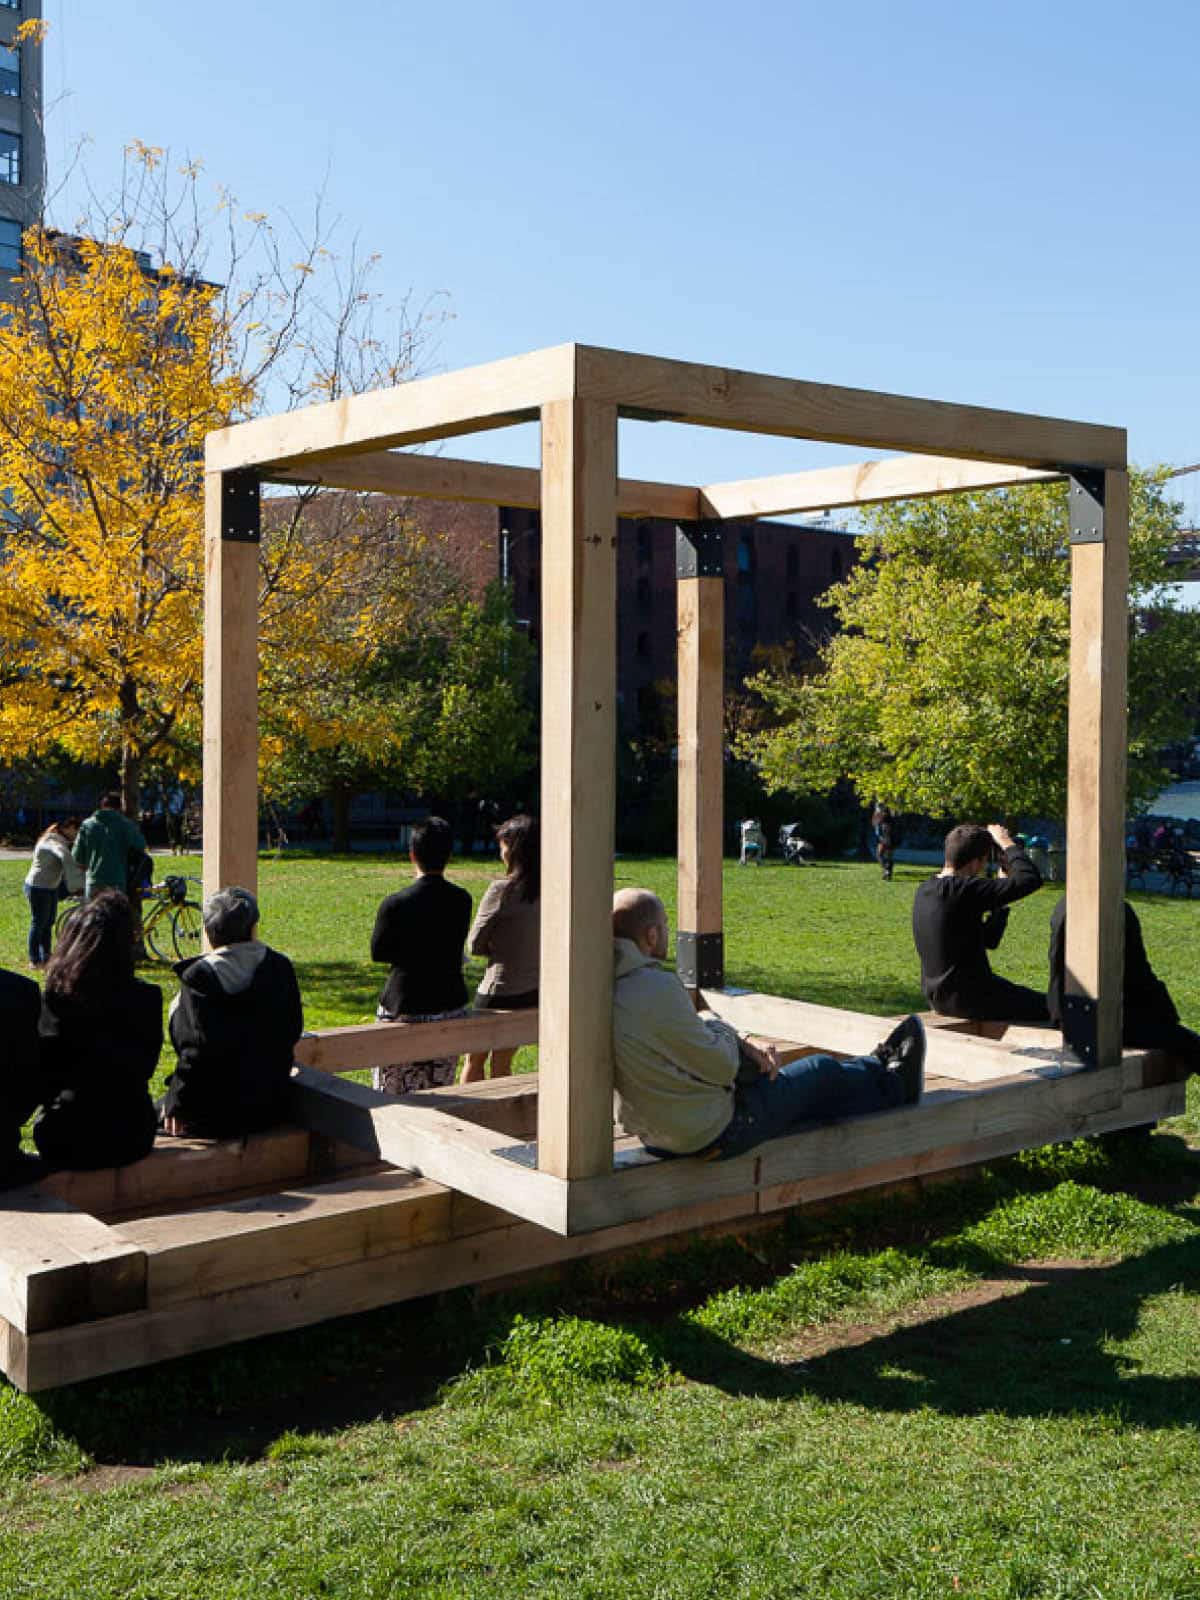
x: 101, y: 1033
x: 507, y: 931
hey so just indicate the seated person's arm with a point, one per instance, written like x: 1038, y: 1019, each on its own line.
x: 1018, y: 876
x: 708, y: 1054
x: 994, y: 924
x: 479, y: 940
x: 392, y: 937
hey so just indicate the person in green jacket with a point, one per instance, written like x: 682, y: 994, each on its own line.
x: 104, y: 845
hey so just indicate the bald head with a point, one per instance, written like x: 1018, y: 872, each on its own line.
x: 639, y: 915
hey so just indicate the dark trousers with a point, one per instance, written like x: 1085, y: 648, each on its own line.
x: 812, y: 1089
x: 43, y: 903
x: 1148, y: 1033
x: 996, y: 1001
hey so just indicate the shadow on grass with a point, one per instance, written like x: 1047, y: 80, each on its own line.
x: 349, y: 986
x: 1040, y: 1353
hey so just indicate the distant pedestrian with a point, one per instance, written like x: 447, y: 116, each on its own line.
x: 754, y: 842
x: 52, y: 874
x: 175, y: 807
x: 885, y: 840
x: 108, y: 847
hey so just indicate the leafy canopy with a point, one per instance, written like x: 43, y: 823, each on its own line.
x: 945, y: 690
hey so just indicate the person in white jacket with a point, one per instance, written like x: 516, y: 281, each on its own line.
x: 52, y: 873
x: 687, y: 1084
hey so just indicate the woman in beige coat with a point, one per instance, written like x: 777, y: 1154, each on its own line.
x: 507, y: 931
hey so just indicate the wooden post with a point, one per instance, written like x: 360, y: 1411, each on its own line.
x: 579, y: 683
x: 700, y: 572
x: 231, y: 533
x: 1095, y: 941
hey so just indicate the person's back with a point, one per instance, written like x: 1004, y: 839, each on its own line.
x: 961, y: 914
x: 101, y: 1033
x: 20, y: 1088
x: 234, y: 1026
x: 104, y: 845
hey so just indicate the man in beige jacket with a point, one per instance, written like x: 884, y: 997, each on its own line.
x: 688, y: 1085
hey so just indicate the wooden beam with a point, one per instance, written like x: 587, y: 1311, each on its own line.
x: 720, y: 397
x: 230, y: 701
x: 385, y: 1044
x: 862, y: 484
x: 700, y: 611
x: 409, y: 476
x: 59, y: 1265
x: 1096, y: 775
x: 496, y: 395
x: 579, y: 689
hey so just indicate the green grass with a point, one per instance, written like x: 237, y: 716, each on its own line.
x: 884, y: 1399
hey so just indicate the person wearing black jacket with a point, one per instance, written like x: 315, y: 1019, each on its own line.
x: 1150, y: 1020
x: 421, y: 931
x: 20, y: 1089
x: 234, y: 1026
x: 961, y: 914
x: 101, y: 1033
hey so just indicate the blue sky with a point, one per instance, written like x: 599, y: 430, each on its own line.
x: 979, y: 203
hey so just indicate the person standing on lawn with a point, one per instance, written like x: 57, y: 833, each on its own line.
x: 507, y: 930
x: 689, y: 1085
x: 421, y: 931
x: 961, y: 914
x: 106, y: 845
x: 52, y: 874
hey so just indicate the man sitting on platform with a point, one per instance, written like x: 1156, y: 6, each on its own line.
x: 1150, y: 1020
x: 234, y: 1025
x: 20, y: 1085
x: 961, y: 914
x: 689, y: 1086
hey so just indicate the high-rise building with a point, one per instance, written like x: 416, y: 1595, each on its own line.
x: 22, y: 137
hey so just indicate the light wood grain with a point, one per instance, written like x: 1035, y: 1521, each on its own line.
x: 701, y: 767
x: 378, y: 1044
x: 862, y: 484
x: 579, y: 691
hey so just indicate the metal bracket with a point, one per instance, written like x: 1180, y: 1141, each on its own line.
x: 1079, y: 1026
x: 700, y: 960
x: 1087, y: 505
x: 700, y: 550
x: 241, y: 507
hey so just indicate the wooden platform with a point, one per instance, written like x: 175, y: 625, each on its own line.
x: 202, y: 1245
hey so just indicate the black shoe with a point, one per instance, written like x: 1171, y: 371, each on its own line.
x: 20, y: 1169
x: 903, y: 1052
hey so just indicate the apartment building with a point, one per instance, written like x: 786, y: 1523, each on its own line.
x: 22, y: 137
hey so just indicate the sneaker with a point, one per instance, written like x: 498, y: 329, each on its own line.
x: 903, y: 1052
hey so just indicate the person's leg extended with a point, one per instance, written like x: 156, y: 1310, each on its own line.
x: 811, y: 1089
x: 1011, y: 1002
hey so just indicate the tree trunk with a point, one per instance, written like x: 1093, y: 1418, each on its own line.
x: 131, y: 784
x: 340, y: 796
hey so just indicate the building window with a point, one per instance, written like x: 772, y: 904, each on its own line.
x: 11, y: 5
x: 645, y: 599
x: 745, y: 554
x: 835, y: 563
x: 792, y: 606
x: 643, y: 646
x: 10, y: 72
x: 10, y: 245
x: 10, y: 158
x: 793, y: 562
x: 643, y: 541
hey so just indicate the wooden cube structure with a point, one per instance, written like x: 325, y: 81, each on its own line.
x: 568, y: 1181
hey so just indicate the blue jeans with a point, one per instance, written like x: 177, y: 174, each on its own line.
x: 812, y: 1089
x: 43, y: 903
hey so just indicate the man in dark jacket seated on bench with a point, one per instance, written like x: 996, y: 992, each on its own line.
x: 961, y: 914
x: 1150, y: 1020
x: 234, y: 1026
x: 20, y: 1085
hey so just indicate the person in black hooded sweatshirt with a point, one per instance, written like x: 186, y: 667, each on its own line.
x: 20, y: 1089
x: 234, y: 1026
x: 101, y: 1033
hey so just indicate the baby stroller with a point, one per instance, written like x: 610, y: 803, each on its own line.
x: 794, y: 849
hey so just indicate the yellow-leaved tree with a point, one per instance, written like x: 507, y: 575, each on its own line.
x: 115, y: 361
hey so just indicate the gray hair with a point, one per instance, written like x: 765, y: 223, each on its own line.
x: 230, y: 916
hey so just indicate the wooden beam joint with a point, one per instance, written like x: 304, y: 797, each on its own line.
x: 1087, y: 505
x: 700, y: 550
x: 700, y: 960
x: 241, y: 507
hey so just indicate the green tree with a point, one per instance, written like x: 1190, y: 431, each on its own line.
x: 945, y: 690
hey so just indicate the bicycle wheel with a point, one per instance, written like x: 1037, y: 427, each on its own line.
x: 187, y: 929
x: 155, y: 930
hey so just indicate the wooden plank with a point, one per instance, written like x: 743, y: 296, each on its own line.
x: 378, y: 1044
x: 65, y: 1356
x: 968, y: 1059
x: 230, y: 703
x: 59, y: 1265
x: 862, y: 484
x: 495, y: 395
x: 701, y: 766
x: 409, y: 476
x: 721, y: 397
x: 1132, y: 1110
x: 410, y: 1131
x: 306, y: 1228
x: 1095, y: 931
x: 579, y: 691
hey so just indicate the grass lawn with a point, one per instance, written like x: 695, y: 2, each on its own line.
x: 989, y: 1389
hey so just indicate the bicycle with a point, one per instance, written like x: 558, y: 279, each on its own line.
x: 172, y: 923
